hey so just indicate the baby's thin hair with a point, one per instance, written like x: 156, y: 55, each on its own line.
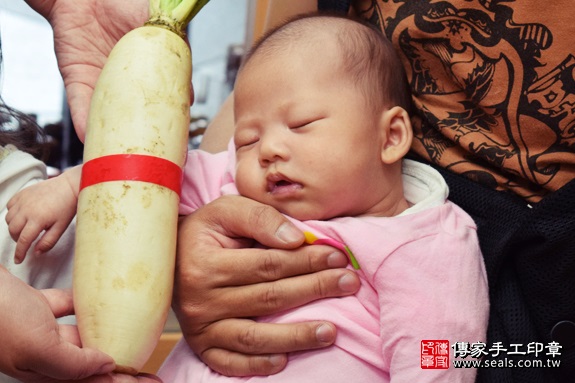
x: 368, y: 56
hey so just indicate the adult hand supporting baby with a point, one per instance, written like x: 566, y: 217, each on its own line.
x: 221, y: 282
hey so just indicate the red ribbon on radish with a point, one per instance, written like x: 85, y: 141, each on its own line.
x: 132, y: 167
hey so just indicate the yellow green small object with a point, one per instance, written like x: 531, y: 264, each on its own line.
x: 311, y: 239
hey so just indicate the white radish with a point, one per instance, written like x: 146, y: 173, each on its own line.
x: 135, y: 147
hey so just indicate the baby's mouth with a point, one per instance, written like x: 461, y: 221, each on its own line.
x: 278, y: 184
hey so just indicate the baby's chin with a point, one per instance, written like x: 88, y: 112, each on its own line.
x: 305, y: 213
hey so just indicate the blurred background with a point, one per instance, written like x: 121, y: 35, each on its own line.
x: 31, y: 82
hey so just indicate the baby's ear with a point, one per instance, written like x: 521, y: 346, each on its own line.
x: 397, y: 134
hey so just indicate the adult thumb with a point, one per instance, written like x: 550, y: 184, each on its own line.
x: 67, y: 361
x: 235, y: 216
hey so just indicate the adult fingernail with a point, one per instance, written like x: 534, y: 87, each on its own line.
x: 288, y: 233
x: 105, y: 369
x: 348, y: 283
x: 325, y: 334
x: 336, y: 259
x: 277, y: 360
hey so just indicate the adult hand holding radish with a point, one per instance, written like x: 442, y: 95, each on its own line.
x: 35, y: 348
x: 85, y: 31
x: 135, y: 148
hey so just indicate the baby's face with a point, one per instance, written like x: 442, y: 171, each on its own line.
x: 306, y: 140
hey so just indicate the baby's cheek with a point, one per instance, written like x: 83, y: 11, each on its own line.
x: 245, y: 180
x: 239, y: 178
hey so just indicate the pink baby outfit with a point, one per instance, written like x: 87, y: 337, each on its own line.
x: 422, y: 278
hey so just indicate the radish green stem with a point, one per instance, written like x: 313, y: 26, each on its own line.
x: 174, y: 15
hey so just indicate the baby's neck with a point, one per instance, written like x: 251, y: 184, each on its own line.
x: 389, y: 194
x: 399, y: 208
x: 389, y: 208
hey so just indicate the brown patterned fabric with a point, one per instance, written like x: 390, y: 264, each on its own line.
x: 494, y: 87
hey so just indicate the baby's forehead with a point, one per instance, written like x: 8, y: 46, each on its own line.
x: 301, y: 34
x: 284, y: 54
